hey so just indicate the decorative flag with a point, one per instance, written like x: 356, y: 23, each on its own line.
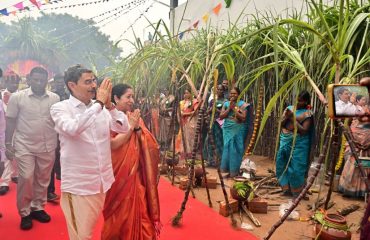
x: 4, y: 12
x: 228, y: 3
x: 195, y: 25
x: 13, y: 13
x: 47, y: 1
x: 19, y: 5
x: 36, y: 3
x: 181, y: 35
x: 217, y: 9
x: 205, y: 17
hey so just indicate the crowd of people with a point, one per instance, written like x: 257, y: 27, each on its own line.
x: 95, y: 140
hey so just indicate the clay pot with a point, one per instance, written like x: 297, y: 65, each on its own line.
x: 329, y: 233
x: 198, y: 172
x: 234, y: 194
x: 172, y: 162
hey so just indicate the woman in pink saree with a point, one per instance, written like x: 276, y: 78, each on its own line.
x: 131, y: 210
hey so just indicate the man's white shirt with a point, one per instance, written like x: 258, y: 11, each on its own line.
x: 345, y: 109
x: 85, y: 155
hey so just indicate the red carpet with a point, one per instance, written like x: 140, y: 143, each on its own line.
x: 199, y: 221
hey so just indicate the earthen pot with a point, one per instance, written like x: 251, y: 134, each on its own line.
x: 234, y: 193
x: 331, y: 233
x: 172, y: 162
x: 198, y: 172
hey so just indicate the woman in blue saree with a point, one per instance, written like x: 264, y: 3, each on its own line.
x: 216, y: 130
x: 235, y: 130
x: 292, y: 164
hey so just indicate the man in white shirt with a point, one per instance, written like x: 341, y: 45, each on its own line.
x: 30, y: 131
x: 84, y: 134
x: 343, y: 107
x: 11, y: 83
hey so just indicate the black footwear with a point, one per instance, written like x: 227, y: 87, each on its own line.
x: 15, y: 180
x: 40, y: 216
x: 3, y: 190
x: 26, y: 223
x: 52, y: 197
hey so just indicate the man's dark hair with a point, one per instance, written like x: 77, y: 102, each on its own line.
x: 1, y: 72
x: 119, y: 90
x: 341, y: 90
x: 39, y: 70
x: 58, y: 76
x: 74, y: 73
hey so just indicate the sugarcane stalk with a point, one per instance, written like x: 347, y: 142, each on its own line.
x: 174, y: 114
x: 302, y: 194
x: 256, y: 124
x: 218, y: 164
x: 177, y: 218
x: 333, y: 164
x: 203, y: 166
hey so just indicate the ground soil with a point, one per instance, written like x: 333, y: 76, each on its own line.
x: 290, y: 230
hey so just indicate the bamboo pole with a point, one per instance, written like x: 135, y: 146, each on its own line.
x: 334, y: 157
x: 203, y: 166
x: 174, y: 113
x: 178, y: 217
x: 218, y: 164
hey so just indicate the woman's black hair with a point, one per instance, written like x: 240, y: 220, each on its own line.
x: 358, y: 97
x: 305, y: 96
x: 236, y: 89
x: 119, y: 90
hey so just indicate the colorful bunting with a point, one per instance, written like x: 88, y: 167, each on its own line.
x: 195, y: 25
x: 4, y: 12
x: 205, y: 17
x: 14, y: 13
x: 19, y: 6
x: 181, y: 35
x: 217, y: 9
x: 36, y: 3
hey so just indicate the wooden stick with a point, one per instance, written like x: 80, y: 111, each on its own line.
x: 333, y: 163
x: 251, y: 216
x: 203, y: 166
x: 218, y: 164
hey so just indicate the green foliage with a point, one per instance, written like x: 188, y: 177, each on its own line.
x: 58, y: 40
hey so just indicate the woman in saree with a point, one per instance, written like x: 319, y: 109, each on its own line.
x: 188, y: 122
x: 165, y: 117
x: 216, y: 127
x: 292, y: 162
x: 131, y: 209
x: 351, y: 183
x: 235, y: 130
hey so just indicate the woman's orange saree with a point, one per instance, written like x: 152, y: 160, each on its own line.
x: 131, y: 209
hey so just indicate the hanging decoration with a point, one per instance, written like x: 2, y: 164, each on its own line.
x: 216, y: 10
x: 4, y: 12
x: 205, y: 17
x: 228, y: 3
